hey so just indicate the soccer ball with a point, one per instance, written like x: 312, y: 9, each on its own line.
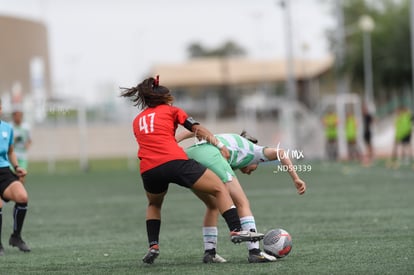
x: 277, y: 242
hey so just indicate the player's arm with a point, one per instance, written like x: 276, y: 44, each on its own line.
x: 20, y: 172
x: 203, y: 133
x: 279, y: 154
x: 28, y: 142
x: 183, y: 136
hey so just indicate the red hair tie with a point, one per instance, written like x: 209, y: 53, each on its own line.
x: 157, y: 81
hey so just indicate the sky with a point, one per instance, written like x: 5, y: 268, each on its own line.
x: 113, y: 43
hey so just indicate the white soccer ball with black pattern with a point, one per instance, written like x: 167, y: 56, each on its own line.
x: 277, y: 242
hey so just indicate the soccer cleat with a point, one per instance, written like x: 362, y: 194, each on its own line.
x: 152, y: 254
x: 210, y: 256
x: 1, y: 250
x: 16, y: 240
x: 245, y: 236
x: 258, y: 256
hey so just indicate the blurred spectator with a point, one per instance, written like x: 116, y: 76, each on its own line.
x: 403, y: 128
x: 330, y: 122
x: 22, y: 138
x: 351, y: 131
x: 367, y: 119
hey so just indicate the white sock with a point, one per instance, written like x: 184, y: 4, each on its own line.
x: 248, y: 224
x: 210, y: 237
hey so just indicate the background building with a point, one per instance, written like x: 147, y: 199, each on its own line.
x: 24, y: 65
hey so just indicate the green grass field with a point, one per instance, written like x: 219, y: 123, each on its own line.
x: 352, y: 220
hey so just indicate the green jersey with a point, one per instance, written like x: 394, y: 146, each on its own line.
x: 331, y: 121
x: 403, y: 125
x: 242, y: 151
x: 351, y: 128
x: 21, y: 137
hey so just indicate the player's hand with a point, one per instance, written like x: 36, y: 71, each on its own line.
x: 225, y: 152
x: 300, y: 186
x: 20, y: 172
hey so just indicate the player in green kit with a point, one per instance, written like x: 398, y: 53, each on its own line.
x: 330, y: 122
x: 244, y: 155
x: 351, y: 132
x: 403, y: 129
x: 22, y: 138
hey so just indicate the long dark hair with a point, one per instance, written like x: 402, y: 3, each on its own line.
x: 148, y: 93
x: 248, y: 137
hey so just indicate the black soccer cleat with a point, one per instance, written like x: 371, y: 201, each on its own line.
x: 258, y: 256
x: 245, y: 236
x: 151, y: 255
x: 210, y: 256
x: 17, y: 241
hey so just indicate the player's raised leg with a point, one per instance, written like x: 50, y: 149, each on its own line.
x: 211, y: 184
x: 247, y: 221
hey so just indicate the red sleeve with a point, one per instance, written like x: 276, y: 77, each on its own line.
x: 180, y: 115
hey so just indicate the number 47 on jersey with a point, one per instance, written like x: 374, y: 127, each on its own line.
x: 146, y: 120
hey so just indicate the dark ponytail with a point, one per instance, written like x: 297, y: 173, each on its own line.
x: 148, y: 93
x: 248, y: 137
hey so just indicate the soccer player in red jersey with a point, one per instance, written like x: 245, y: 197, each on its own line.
x: 163, y: 161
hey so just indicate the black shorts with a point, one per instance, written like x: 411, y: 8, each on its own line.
x: 406, y: 139
x: 367, y: 138
x: 181, y: 172
x: 7, y: 177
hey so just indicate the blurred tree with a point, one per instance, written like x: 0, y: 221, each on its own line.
x: 196, y: 50
x: 227, y: 49
x: 391, y: 44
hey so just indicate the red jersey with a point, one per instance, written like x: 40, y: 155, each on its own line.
x: 154, y: 130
